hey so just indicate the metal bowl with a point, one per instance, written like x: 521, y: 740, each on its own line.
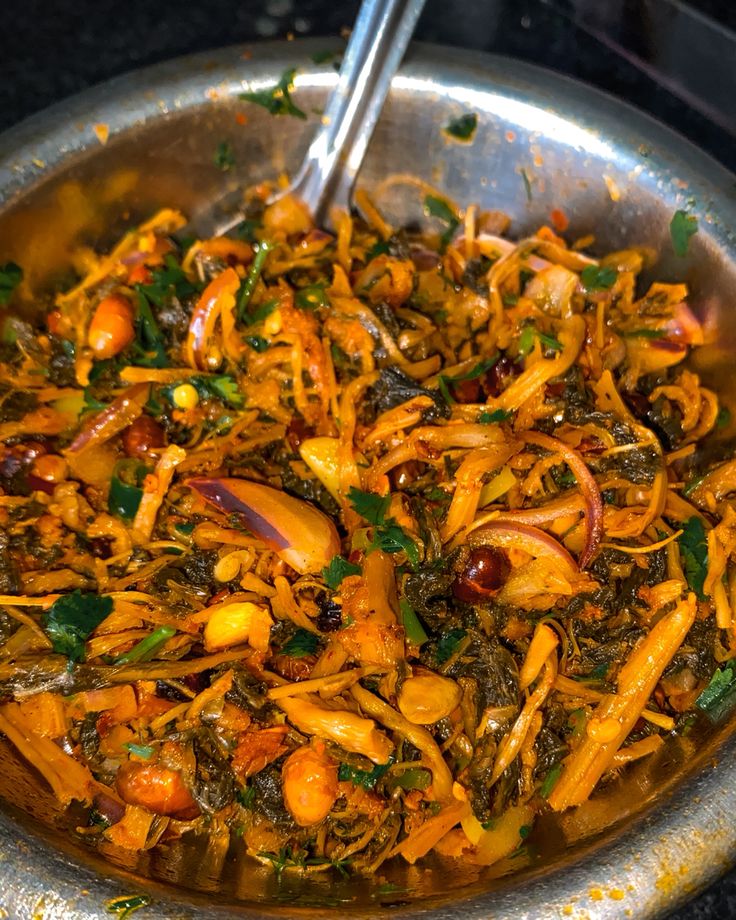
x: 652, y: 837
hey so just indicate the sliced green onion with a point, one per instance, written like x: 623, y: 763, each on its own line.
x: 147, y: 647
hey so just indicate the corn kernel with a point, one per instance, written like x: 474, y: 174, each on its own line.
x: 185, y: 396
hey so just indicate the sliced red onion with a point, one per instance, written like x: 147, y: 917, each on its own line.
x: 112, y: 420
x: 305, y: 538
x: 512, y: 535
x: 588, y: 487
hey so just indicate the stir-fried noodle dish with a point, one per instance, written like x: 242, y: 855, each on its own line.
x: 354, y: 545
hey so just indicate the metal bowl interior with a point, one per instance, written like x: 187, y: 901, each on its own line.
x: 653, y: 836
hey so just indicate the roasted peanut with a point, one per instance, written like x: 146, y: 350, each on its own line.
x: 309, y: 780
x: 156, y: 788
x: 427, y: 698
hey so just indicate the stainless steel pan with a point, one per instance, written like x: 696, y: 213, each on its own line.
x: 651, y: 838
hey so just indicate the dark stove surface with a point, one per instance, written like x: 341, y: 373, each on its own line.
x: 676, y: 60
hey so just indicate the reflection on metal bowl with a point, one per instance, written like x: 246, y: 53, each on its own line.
x: 87, y: 168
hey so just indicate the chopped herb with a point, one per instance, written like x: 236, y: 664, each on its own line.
x: 497, y: 415
x: 91, y: 402
x: 527, y: 184
x: 437, y: 207
x: 410, y: 621
x: 368, y: 505
x: 125, y: 906
x: 413, y: 778
x: 644, y: 334
x: 147, y: 648
x: 380, y: 248
x: 11, y: 276
x: 246, y: 796
x: 693, y: 484
x: 312, y: 297
x: 246, y: 230
x: 277, y: 100
x: 527, y: 336
x: 144, y: 751
x: 168, y: 281
x: 301, y: 644
x: 257, y: 342
x: 367, y: 779
x: 448, y: 644
x: 222, y: 387
x: 150, y: 346
x: 550, y: 781
x: 598, y: 277
x: 251, y: 279
x: 389, y: 888
x: 71, y: 619
x: 262, y: 312
x: 462, y: 128
x: 682, y: 227
x: 526, y: 340
x: 388, y: 535
x: 125, y: 492
x: 723, y: 419
x: 549, y: 341
x: 224, y: 156
x: 510, y: 300
x: 717, y: 698
x: 338, y: 569
x: 694, y: 552
x: 478, y: 370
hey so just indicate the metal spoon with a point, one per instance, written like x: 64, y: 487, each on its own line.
x: 377, y: 44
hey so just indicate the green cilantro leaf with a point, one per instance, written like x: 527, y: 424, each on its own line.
x: 478, y: 370
x: 491, y: 418
x: 11, y: 276
x: 448, y: 644
x: 462, y: 128
x: 723, y: 419
x: 222, y: 387
x: 392, y: 538
x: 368, y: 505
x: 694, y: 552
x: 224, y: 156
x: 71, y: 619
x: 301, y: 644
x: 149, y: 345
x: 166, y: 282
x: 527, y: 336
x: 598, y: 277
x: 682, y: 227
x: 277, y: 100
x: 437, y: 207
x: 367, y: 779
x: 338, y: 569
x: 388, y: 535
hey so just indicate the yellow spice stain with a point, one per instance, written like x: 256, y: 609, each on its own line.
x: 567, y: 910
x: 613, y: 190
x: 595, y: 894
x: 616, y: 894
x: 102, y: 132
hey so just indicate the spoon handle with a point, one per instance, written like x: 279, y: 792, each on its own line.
x: 377, y: 44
